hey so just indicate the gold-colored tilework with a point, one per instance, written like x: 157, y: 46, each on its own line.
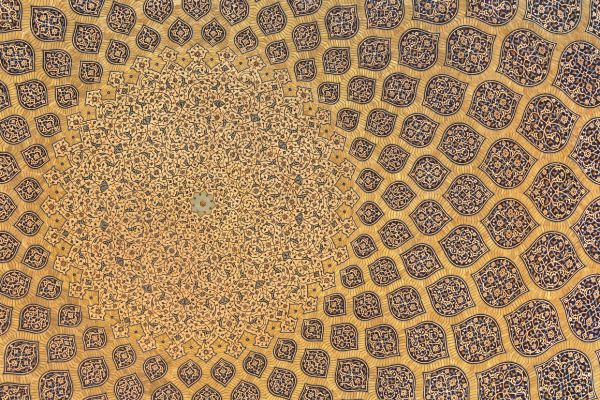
x: 313, y: 200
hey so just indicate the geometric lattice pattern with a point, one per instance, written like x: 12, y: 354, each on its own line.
x: 302, y: 199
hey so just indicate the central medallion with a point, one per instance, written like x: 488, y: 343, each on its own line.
x: 203, y: 203
x: 209, y: 134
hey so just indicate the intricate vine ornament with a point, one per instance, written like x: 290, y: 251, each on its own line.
x: 217, y: 123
